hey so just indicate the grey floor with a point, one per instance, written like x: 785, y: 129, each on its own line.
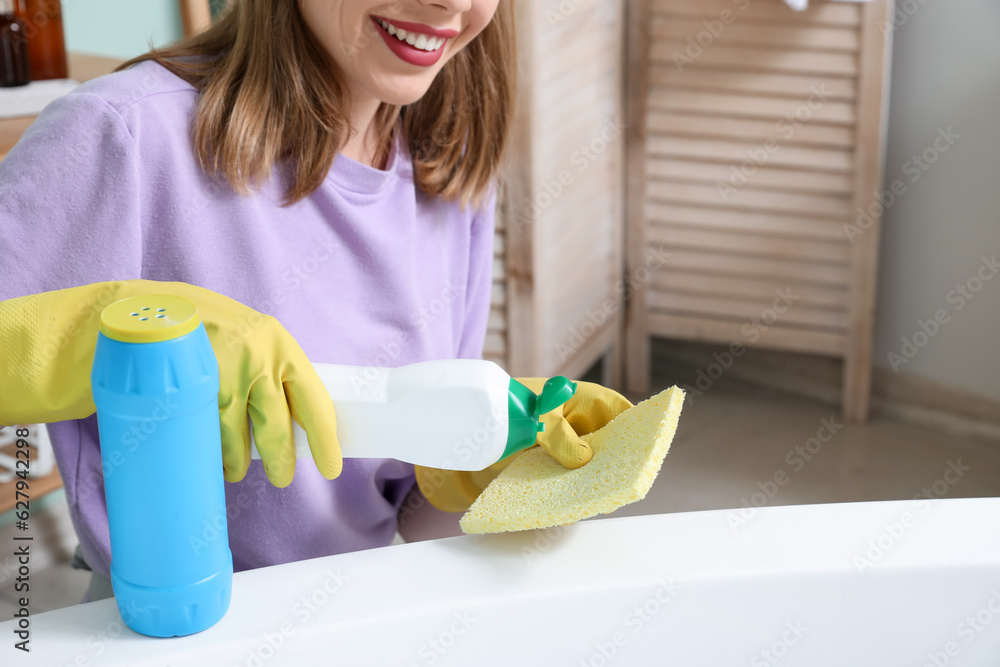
x: 734, y: 450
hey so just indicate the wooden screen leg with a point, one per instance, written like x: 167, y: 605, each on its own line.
x: 873, y: 79
x: 857, y: 386
x: 637, y: 346
x: 612, y: 374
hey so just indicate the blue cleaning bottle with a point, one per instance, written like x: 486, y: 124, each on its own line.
x: 155, y: 382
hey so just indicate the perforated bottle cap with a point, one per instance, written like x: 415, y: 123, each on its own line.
x: 149, y: 319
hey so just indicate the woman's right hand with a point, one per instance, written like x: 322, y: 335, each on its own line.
x: 50, y: 338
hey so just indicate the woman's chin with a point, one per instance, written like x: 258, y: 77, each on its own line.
x: 402, y: 97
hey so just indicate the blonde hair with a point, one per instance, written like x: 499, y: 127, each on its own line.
x: 270, y: 95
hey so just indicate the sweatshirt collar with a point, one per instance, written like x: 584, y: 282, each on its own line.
x: 354, y: 176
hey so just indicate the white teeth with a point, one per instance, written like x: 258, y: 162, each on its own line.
x: 416, y: 40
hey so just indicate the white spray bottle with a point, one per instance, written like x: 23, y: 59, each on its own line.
x: 454, y: 414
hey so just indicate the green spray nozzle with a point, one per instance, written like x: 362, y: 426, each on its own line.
x: 525, y: 408
x: 556, y: 391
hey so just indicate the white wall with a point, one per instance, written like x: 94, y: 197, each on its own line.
x: 946, y: 73
x: 121, y: 28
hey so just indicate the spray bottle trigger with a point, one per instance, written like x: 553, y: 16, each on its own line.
x: 524, y: 409
x: 556, y: 391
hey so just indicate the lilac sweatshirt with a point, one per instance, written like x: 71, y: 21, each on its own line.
x: 367, y: 270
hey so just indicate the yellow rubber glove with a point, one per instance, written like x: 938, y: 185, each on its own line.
x: 49, y: 339
x: 590, y: 408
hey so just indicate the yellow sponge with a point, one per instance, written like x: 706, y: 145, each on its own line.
x: 535, y: 491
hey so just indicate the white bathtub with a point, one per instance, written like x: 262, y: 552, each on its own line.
x: 847, y: 585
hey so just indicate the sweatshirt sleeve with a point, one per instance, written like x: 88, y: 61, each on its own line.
x: 480, y: 284
x: 69, y: 200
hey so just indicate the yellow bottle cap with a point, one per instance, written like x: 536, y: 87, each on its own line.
x: 149, y: 319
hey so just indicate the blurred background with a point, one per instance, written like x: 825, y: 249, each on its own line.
x: 123, y: 29
x: 679, y: 166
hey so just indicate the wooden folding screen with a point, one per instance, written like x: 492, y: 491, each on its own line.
x: 557, y: 294
x: 756, y: 137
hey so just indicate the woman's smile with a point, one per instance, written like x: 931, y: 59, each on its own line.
x: 415, y: 40
x: 413, y: 43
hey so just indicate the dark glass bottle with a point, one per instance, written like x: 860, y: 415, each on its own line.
x: 14, y: 67
x: 46, y: 44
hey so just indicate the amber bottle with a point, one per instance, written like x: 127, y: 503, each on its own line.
x: 14, y: 69
x: 46, y: 44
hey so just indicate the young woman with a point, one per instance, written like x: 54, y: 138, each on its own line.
x: 328, y: 163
